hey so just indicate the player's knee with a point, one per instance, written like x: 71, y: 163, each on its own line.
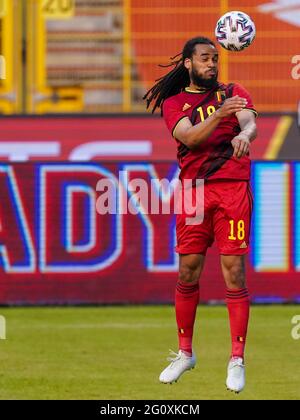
x: 235, y: 276
x: 189, y: 273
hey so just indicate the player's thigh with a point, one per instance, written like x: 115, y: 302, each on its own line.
x: 232, y: 219
x: 190, y: 267
x: 194, y: 238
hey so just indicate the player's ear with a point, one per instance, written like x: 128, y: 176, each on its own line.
x: 188, y: 63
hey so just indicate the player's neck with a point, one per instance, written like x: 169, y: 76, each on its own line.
x: 196, y: 89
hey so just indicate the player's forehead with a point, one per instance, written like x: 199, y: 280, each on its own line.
x: 204, y: 50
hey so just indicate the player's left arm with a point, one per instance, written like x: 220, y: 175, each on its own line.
x: 241, y: 143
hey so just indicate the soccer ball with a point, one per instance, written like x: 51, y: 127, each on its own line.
x: 235, y: 31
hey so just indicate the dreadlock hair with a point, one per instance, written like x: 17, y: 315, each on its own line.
x: 177, y: 79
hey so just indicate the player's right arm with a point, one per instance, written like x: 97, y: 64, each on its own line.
x: 193, y: 135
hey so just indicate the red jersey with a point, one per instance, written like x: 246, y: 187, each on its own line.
x: 212, y: 159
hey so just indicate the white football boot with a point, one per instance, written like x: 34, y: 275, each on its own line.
x: 180, y: 363
x: 236, y: 375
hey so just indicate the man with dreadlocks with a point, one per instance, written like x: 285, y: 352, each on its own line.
x: 213, y: 125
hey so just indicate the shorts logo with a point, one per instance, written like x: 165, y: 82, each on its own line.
x: 244, y: 245
x: 181, y: 330
x: 186, y: 107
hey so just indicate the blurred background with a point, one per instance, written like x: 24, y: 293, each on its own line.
x: 99, y: 56
x: 73, y: 76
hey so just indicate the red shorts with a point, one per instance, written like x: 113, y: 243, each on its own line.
x: 227, y: 218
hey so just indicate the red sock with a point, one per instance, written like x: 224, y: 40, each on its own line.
x: 238, y: 304
x: 186, y: 302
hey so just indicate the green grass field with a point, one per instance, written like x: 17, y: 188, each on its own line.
x: 118, y: 352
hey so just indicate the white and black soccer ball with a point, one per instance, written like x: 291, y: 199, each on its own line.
x: 235, y: 31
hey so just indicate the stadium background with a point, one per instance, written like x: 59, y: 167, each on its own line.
x: 72, y: 113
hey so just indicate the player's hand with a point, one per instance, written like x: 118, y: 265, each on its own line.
x: 232, y: 106
x: 241, y: 145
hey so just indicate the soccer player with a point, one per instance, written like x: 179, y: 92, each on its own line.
x: 213, y: 125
